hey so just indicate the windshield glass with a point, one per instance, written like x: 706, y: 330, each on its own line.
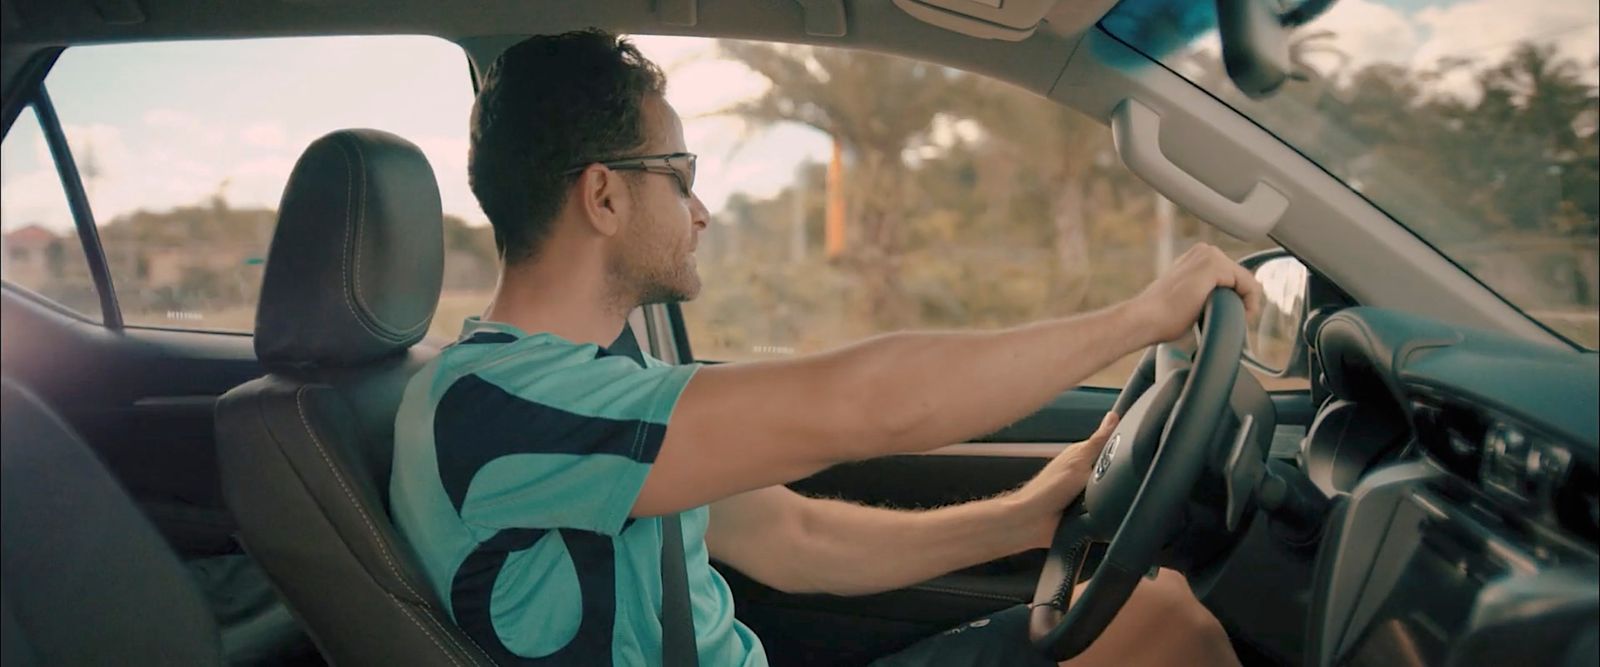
x: 1471, y: 122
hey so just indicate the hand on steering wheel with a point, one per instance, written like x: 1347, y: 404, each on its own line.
x: 1140, y: 483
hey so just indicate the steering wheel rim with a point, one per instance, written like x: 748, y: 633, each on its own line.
x: 1062, y: 629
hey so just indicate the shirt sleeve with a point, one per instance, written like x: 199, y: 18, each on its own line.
x: 544, y: 444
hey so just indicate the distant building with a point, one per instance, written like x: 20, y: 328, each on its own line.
x: 25, y: 255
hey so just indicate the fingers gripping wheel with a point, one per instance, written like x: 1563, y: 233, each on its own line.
x: 1138, y: 489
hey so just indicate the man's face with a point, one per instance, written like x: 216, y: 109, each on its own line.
x: 653, y: 258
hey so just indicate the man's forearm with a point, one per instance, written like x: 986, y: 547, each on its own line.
x: 849, y: 549
x: 740, y: 427
x: 801, y: 544
x: 927, y: 390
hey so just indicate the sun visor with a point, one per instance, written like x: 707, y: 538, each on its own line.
x: 1009, y: 20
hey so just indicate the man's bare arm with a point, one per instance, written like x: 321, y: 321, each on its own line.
x: 746, y: 426
x: 741, y: 427
x: 808, y: 545
x: 811, y: 545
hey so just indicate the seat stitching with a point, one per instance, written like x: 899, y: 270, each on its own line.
x: 457, y: 644
x: 403, y: 609
x: 411, y: 617
x: 960, y: 591
x: 338, y: 476
x: 344, y: 255
x: 361, y: 219
x: 361, y: 223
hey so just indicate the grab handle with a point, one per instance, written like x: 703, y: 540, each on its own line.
x: 1136, y: 131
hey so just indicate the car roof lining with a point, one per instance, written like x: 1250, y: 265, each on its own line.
x: 873, y: 25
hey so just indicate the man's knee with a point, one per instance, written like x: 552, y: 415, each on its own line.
x: 1185, y: 625
x: 1161, y: 624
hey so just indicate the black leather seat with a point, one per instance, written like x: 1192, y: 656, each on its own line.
x: 87, y: 580
x: 352, y: 279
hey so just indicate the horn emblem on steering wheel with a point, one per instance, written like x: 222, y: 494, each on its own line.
x: 1103, y: 464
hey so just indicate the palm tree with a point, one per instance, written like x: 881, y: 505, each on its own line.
x: 1528, y: 150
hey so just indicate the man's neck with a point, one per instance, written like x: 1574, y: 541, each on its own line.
x: 558, y: 295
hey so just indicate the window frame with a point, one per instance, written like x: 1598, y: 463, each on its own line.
x: 32, y: 93
x: 37, y: 98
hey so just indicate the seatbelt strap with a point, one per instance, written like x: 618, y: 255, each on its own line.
x: 678, y: 647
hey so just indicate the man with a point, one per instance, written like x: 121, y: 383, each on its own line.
x: 532, y: 463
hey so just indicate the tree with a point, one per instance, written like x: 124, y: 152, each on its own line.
x: 1062, y: 148
x: 876, y: 107
x: 1526, y: 129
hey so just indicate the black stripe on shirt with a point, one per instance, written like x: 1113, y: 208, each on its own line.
x: 477, y: 422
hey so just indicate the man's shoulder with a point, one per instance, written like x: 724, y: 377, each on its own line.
x: 526, y: 357
x: 540, y: 369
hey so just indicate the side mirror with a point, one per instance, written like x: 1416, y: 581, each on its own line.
x: 1273, y: 343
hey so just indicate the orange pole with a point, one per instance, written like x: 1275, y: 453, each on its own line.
x: 833, y: 227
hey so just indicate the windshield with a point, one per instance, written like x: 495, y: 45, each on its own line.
x: 1471, y: 122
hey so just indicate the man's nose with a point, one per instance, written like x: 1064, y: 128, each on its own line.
x: 698, y: 213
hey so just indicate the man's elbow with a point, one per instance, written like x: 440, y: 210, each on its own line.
x: 807, y: 564
x: 876, y: 415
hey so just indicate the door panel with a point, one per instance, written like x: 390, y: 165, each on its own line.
x: 1071, y: 417
x: 827, y: 629
x: 142, y: 399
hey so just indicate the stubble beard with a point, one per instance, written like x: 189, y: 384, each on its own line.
x: 644, y: 274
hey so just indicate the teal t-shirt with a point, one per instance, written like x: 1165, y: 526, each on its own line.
x: 517, y: 460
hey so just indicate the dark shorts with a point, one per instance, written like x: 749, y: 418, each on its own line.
x: 998, y: 639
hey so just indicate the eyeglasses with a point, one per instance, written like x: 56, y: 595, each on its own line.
x: 680, y: 165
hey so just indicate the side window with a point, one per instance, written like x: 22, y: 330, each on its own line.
x: 184, y: 149
x: 857, y: 194
x: 39, y: 245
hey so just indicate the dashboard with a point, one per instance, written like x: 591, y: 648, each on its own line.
x: 1463, y: 467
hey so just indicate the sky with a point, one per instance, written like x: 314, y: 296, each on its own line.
x: 173, y: 124
x: 1419, y: 34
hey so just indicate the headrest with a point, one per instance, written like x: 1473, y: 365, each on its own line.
x: 357, y: 259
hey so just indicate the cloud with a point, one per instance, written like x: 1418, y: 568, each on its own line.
x: 447, y: 153
x: 98, y: 149
x: 170, y: 118
x: 710, y: 86
x: 1355, y: 34
x: 1488, y: 29
x: 264, y: 135
x: 191, y: 126
x: 120, y: 178
x: 1362, y: 33
x: 1368, y: 32
x: 34, y: 198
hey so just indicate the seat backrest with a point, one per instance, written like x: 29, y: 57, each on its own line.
x: 352, y: 279
x: 87, y: 579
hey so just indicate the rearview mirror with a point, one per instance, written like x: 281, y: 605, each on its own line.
x: 1273, y: 342
x: 1255, y: 40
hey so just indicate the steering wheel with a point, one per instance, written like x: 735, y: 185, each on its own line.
x: 1140, y: 482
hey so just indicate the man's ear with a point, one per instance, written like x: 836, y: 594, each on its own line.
x: 604, y: 199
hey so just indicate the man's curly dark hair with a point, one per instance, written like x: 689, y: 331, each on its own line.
x: 548, y: 104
